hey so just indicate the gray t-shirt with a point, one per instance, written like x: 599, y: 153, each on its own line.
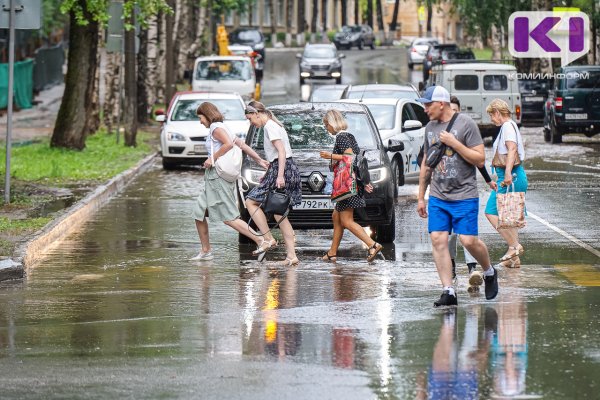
x: 454, y: 178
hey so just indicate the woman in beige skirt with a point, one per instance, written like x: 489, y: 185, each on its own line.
x: 218, y: 199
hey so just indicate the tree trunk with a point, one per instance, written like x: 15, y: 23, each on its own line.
x: 344, y: 11
x: 289, y: 16
x: 301, y: 19
x: 272, y: 13
x: 315, y: 16
x: 495, y: 42
x: 169, y: 57
x: 356, y: 13
x: 370, y: 13
x: 395, y: 17
x: 143, y: 109
x: 429, y: 16
x: 130, y: 106
x: 73, y: 122
x: 324, y: 16
x: 189, y: 35
x: 112, y: 71
x: 155, y: 57
x: 379, y: 16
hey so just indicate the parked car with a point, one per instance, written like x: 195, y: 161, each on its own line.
x: 418, y: 49
x: 327, y: 92
x: 251, y: 37
x: 403, y: 120
x: 433, y: 53
x: 476, y: 84
x: 183, y: 137
x: 406, y: 91
x: 455, y: 56
x: 534, y: 93
x: 320, y: 61
x: 573, y: 104
x: 304, y: 124
x: 354, y: 36
x: 225, y: 74
x: 257, y: 59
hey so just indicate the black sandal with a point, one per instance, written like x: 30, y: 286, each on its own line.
x: 371, y: 256
x: 327, y: 257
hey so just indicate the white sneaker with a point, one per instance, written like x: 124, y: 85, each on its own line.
x: 203, y: 256
x: 476, y: 278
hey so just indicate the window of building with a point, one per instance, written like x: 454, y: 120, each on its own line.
x: 266, y: 21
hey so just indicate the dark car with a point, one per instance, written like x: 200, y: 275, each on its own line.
x: 381, y: 91
x: 320, y: 61
x: 354, y: 36
x: 573, y: 105
x: 433, y: 54
x: 250, y: 37
x: 534, y: 93
x: 304, y: 125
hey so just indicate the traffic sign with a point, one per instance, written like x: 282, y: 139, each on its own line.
x: 28, y: 14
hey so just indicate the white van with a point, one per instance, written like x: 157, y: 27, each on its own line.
x: 225, y: 74
x: 476, y: 84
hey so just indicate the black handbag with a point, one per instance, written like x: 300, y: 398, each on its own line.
x: 277, y: 202
x: 361, y: 169
x: 436, y: 151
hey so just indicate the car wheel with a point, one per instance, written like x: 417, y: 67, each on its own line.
x: 373, y: 45
x: 168, y: 164
x: 338, y: 80
x: 555, y: 134
x: 301, y: 81
x: 360, y: 45
x: 411, y: 65
x: 385, y: 233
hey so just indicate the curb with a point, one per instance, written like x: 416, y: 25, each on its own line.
x: 34, y: 250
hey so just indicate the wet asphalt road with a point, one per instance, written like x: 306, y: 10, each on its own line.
x: 116, y: 310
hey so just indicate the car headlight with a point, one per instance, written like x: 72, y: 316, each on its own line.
x: 378, y: 174
x: 254, y: 175
x: 259, y: 46
x: 176, y: 137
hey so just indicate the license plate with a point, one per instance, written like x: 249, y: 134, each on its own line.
x: 538, y: 98
x: 198, y: 148
x: 316, y: 204
x: 575, y: 116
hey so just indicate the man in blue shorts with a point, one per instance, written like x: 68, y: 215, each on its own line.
x: 453, y: 198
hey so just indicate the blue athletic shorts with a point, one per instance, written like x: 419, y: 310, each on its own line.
x: 458, y: 216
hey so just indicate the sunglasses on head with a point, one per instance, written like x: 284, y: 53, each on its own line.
x: 250, y: 110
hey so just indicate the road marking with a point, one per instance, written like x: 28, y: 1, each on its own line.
x: 580, y: 274
x: 564, y: 234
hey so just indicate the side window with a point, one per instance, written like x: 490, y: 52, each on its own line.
x: 420, y: 113
x: 466, y: 82
x: 406, y: 115
x: 495, y: 82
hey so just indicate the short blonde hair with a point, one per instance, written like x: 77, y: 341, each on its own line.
x: 499, y: 105
x: 336, y: 120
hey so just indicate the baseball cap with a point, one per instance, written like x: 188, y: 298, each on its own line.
x: 435, y: 93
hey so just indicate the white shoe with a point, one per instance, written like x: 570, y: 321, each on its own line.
x: 476, y: 278
x: 203, y: 256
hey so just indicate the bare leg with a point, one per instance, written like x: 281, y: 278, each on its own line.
x: 478, y: 249
x: 347, y: 219
x: 338, y: 232
x: 243, y: 228
x: 288, y: 237
x: 441, y: 256
x: 202, y: 228
x: 510, y: 235
x: 259, y: 218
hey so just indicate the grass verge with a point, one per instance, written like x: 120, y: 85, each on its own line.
x: 45, y: 180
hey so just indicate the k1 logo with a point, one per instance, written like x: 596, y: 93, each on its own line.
x: 543, y: 34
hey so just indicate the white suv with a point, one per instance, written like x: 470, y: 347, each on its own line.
x: 183, y: 137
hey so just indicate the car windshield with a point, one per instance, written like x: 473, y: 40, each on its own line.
x: 533, y: 85
x: 224, y: 70
x: 327, y: 94
x: 307, y: 132
x: 319, y: 52
x: 351, y: 28
x: 425, y: 42
x: 384, y: 115
x: 583, y: 80
x: 185, y: 110
x: 383, y: 94
x: 249, y: 36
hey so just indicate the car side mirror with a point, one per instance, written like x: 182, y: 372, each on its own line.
x: 160, y: 118
x: 341, y: 55
x: 159, y: 111
x: 395, y: 145
x: 411, y: 125
x: 298, y: 56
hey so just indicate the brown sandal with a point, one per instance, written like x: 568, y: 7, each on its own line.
x: 376, y: 249
x: 327, y: 257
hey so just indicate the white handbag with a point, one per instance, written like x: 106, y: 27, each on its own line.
x: 229, y: 165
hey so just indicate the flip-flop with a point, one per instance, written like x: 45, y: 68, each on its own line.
x: 327, y: 257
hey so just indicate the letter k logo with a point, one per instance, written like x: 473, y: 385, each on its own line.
x: 539, y: 34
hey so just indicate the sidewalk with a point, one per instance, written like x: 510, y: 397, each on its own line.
x: 37, y: 121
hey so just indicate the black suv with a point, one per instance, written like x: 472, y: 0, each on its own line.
x: 304, y: 125
x: 534, y: 93
x: 573, y: 105
x: 354, y: 36
x: 250, y: 37
x: 433, y: 54
x: 320, y: 61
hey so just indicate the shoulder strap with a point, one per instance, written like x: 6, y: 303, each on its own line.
x: 451, y: 123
